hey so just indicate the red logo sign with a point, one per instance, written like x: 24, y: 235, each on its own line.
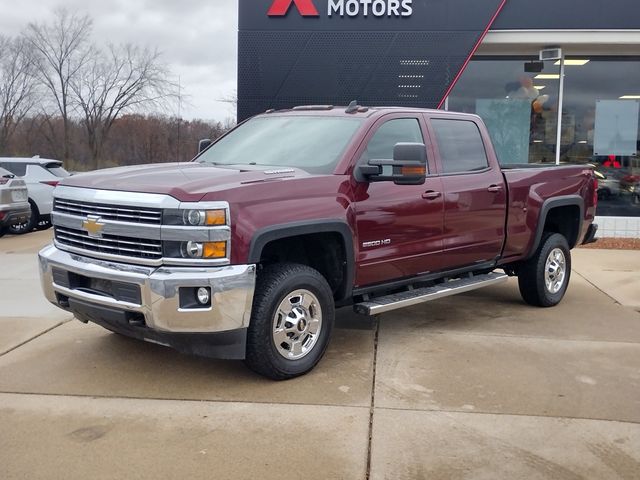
x: 281, y: 7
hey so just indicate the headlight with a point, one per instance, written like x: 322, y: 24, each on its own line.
x: 205, y: 217
x: 204, y: 250
x: 197, y: 233
x: 196, y: 217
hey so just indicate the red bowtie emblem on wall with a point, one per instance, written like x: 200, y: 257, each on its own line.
x: 281, y: 7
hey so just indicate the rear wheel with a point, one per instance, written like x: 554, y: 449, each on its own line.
x: 28, y: 226
x: 544, y: 278
x: 291, y: 321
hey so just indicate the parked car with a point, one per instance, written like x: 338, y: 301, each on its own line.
x: 245, y: 252
x: 608, y: 186
x: 631, y: 184
x: 41, y: 176
x: 14, y: 207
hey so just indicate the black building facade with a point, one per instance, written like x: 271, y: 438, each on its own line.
x: 466, y: 55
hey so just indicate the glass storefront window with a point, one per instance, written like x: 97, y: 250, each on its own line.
x: 600, y: 121
x: 519, y: 108
x: 602, y: 99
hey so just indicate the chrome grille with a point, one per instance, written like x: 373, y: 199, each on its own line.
x: 109, y: 244
x: 151, y: 216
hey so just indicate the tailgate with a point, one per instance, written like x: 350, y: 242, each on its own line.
x: 14, y: 191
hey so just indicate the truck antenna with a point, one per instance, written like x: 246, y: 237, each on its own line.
x: 353, y: 107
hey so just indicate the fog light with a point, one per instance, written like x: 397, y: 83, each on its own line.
x: 203, y: 296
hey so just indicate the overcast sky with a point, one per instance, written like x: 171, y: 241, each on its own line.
x: 198, y: 39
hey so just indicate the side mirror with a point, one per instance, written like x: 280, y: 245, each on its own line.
x: 203, y: 145
x: 408, y: 167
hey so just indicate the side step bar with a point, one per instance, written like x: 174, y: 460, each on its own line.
x: 394, y: 301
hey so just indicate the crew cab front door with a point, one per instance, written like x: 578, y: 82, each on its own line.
x: 475, y: 194
x: 399, y: 227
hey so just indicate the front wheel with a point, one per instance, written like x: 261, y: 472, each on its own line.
x: 291, y: 321
x: 544, y: 278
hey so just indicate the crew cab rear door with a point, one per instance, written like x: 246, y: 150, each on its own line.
x: 399, y: 227
x: 475, y: 192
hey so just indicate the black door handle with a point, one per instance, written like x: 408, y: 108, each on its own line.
x: 431, y: 195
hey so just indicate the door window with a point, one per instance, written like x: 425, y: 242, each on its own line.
x: 460, y: 146
x: 380, y: 146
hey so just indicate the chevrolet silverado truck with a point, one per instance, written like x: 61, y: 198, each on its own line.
x: 245, y: 252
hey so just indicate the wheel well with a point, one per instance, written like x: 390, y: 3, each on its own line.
x: 324, y: 252
x: 565, y: 221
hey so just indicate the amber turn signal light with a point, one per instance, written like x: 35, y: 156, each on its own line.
x: 214, y: 250
x: 414, y: 171
x: 216, y: 217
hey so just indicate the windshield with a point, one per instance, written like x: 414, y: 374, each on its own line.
x: 314, y: 144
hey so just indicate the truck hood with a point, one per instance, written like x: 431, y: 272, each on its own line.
x: 187, y: 182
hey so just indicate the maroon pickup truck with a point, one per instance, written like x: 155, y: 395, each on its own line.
x: 245, y: 252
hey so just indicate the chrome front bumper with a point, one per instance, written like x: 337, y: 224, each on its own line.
x: 232, y: 290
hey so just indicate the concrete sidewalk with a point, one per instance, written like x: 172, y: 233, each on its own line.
x: 615, y: 272
x: 478, y: 386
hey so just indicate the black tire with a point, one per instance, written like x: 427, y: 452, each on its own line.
x: 44, y: 224
x: 3, y: 231
x: 274, y: 284
x: 531, y: 276
x: 26, y: 227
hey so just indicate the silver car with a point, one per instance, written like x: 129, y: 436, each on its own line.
x: 14, y: 201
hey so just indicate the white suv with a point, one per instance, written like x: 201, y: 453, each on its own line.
x: 41, y: 176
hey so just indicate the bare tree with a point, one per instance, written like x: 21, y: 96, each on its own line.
x: 116, y: 81
x: 61, y: 49
x: 17, y: 87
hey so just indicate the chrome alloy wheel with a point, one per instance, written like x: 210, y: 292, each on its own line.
x: 555, y: 270
x: 296, y: 324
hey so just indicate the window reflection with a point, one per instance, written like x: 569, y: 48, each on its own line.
x: 599, y: 122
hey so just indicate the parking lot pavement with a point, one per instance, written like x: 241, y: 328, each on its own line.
x: 475, y: 386
x: 24, y: 312
x: 615, y: 272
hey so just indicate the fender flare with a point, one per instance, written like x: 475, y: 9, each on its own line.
x: 562, y: 201
x: 277, y: 232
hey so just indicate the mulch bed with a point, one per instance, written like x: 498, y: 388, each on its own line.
x: 615, y: 244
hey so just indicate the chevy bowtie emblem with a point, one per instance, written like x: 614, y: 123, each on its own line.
x: 93, y: 226
x: 281, y: 7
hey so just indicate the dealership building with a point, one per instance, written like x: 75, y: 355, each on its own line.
x: 579, y: 104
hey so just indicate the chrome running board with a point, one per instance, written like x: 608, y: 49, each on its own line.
x: 394, y: 301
